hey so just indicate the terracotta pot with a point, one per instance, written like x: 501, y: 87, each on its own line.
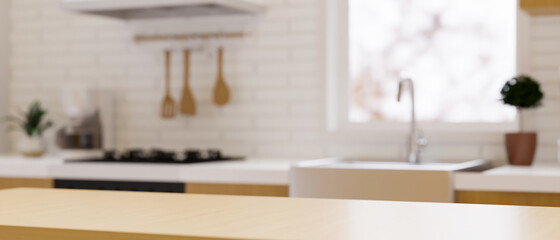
x: 521, y: 148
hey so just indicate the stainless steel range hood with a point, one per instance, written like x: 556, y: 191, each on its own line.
x: 142, y: 9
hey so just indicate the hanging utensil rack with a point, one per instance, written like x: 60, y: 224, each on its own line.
x: 184, y: 37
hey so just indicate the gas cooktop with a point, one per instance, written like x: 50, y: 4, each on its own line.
x: 160, y: 156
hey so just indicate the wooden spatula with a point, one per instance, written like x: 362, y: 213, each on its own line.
x: 188, y: 106
x: 221, y: 90
x: 168, y: 104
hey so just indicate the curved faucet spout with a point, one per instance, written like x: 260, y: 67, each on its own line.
x: 415, y: 142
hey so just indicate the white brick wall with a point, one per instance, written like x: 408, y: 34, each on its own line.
x: 276, y: 77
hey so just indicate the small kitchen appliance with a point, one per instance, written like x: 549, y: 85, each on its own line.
x: 88, y: 129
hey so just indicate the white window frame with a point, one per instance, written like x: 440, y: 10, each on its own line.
x: 337, y: 78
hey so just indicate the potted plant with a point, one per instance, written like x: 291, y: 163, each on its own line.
x: 522, y: 92
x: 31, y: 143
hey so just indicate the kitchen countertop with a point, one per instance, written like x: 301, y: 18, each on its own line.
x: 249, y: 171
x: 260, y: 171
x: 76, y: 214
x: 544, y: 178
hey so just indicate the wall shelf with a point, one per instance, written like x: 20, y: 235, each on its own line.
x: 148, y: 9
x: 540, y: 7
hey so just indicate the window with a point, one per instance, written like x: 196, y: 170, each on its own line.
x: 458, y: 52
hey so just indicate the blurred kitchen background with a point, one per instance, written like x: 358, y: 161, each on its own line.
x: 277, y: 75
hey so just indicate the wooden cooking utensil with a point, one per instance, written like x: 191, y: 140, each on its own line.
x: 221, y: 90
x: 188, y: 106
x: 168, y: 104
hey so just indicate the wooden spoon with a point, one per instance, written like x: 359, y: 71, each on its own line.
x: 221, y: 90
x: 188, y: 106
x: 168, y: 104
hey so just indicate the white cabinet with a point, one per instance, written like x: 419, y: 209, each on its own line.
x: 391, y: 181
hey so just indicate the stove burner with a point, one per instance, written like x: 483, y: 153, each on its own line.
x: 192, y: 155
x: 214, y: 154
x: 161, y: 156
x: 133, y: 154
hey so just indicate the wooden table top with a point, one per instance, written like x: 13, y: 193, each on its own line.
x: 50, y: 214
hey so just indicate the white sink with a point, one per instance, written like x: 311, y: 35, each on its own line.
x: 367, y: 180
x: 430, y: 166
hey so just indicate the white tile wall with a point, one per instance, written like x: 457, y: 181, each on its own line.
x: 4, y: 69
x: 276, y: 77
x: 545, y: 59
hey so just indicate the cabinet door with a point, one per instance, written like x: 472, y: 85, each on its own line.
x: 540, y: 7
x: 372, y: 184
x: 237, y: 189
x: 6, y: 183
x: 508, y: 198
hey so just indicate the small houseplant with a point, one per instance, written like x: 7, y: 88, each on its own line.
x: 522, y: 92
x: 33, y: 125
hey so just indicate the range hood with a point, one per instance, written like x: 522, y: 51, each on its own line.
x: 142, y: 9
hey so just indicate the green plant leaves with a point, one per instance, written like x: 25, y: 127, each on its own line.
x: 522, y: 92
x: 31, y: 122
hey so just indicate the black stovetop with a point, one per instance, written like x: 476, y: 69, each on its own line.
x: 161, y: 156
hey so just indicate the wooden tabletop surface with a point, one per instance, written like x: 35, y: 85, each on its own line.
x: 49, y: 214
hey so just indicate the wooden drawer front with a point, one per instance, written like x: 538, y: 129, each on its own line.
x: 537, y: 7
x: 509, y: 198
x: 6, y: 183
x: 539, y: 3
x: 237, y: 189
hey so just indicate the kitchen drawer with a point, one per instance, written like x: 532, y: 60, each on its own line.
x: 237, y: 189
x: 6, y: 183
x: 508, y: 198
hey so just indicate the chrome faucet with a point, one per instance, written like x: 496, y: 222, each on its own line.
x: 416, y: 141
